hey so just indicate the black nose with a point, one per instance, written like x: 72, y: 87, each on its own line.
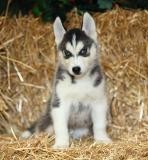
x: 76, y: 70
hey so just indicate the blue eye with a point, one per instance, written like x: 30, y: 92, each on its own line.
x: 83, y: 52
x: 67, y: 54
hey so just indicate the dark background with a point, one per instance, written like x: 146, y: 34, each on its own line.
x: 49, y: 9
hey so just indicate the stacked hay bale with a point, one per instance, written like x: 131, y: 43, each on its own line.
x: 27, y: 62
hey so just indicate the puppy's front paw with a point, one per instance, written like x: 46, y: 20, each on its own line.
x: 104, y: 140
x: 60, y: 146
x: 61, y: 143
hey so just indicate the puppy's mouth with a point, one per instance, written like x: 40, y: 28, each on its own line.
x: 77, y: 76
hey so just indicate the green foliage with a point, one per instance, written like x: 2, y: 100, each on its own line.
x: 49, y: 9
x: 105, y: 4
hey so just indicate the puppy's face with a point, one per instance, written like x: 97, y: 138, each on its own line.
x: 77, y: 52
x: 77, y: 48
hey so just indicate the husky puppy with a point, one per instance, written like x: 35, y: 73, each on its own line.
x: 78, y: 105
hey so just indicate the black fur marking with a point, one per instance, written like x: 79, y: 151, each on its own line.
x: 84, y: 52
x: 56, y: 101
x: 44, y: 122
x: 80, y: 36
x: 60, y: 74
x: 80, y: 117
x: 96, y: 71
x: 97, y: 81
x: 81, y: 107
x: 32, y: 128
x: 73, y: 80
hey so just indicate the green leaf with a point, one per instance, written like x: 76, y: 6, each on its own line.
x: 105, y: 4
x: 36, y: 11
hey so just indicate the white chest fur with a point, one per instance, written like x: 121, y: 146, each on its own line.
x: 82, y: 90
x: 82, y: 104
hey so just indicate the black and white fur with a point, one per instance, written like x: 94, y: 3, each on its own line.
x: 78, y: 105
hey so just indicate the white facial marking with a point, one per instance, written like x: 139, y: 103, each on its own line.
x: 74, y: 41
x: 80, y: 45
x: 69, y: 47
x: 74, y: 48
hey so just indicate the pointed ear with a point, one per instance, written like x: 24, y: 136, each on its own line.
x: 89, y: 26
x: 59, y: 30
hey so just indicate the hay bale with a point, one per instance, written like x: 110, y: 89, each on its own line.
x: 27, y: 62
x: 27, y: 59
x: 40, y: 148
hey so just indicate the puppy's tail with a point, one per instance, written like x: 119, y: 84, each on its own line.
x: 44, y: 124
x: 29, y: 132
